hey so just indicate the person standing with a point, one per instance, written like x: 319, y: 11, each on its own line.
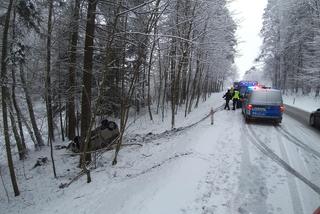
x: 227, y: 96
x: 235, y: 99
x: 232, y: 91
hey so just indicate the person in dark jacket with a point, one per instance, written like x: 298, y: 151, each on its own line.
x: 227, y: 96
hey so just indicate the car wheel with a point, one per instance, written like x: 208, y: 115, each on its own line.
x: 311, y: 121
x: 277, y: 122
x: 112, y: 125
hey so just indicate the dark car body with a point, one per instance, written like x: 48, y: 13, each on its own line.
x: 315, y: 118
x: 263, y: 104
x: 101, y: 137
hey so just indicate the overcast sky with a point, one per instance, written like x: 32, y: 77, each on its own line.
x: 248, y: 14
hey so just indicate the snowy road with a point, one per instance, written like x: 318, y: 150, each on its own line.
x: 230, y: 167
x: 236, y: 168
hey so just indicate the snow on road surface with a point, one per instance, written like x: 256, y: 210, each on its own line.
x: 230, y: 167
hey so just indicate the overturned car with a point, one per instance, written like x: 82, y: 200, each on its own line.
x: 101, y: 137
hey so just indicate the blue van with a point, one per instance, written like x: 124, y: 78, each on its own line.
x: 263, y: 104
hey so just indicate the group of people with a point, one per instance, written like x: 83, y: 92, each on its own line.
x: 233, y: 95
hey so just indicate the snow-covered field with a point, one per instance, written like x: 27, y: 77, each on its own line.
x: 228, y: 167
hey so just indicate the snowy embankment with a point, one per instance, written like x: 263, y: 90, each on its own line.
x: 307, y: 103
x: 39, y: 189
x: 141, y: 124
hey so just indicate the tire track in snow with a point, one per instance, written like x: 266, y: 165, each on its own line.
x: 297, y: 142
x: 294, y: 193
x: 252, y: 191
x: 254, y: 139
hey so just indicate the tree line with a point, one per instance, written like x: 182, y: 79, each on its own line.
x: 90, y: 58
x: 291, y: 44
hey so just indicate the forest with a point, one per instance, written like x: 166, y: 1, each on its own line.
x: 291, y: 45
x: 66, y: 65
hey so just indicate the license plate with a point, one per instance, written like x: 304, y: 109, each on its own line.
x: 259, y: 109
x: 259, y: 113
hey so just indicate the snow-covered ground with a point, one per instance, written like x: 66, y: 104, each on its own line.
x: 308, y: 103
x: 228, y: 167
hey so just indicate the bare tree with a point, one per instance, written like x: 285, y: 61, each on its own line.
x: 48, y: 78
x: 48, y: 87
x: 5, y: 96
x: 87, y: 75
x: 74, y: 25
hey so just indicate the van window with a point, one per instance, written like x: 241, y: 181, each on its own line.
x: 262, y: 97
x: 274, y: 97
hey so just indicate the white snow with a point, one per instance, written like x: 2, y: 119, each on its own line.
x: 308, y: 103
x: 204, y: 169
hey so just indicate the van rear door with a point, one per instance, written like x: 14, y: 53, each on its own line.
x: 266, y: 103
x: 274, y: 102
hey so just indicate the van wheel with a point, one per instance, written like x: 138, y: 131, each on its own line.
x: 247, y: 119
x: 311, y: 121
x: 277, y: 122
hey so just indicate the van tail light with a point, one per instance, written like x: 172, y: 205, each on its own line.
x: 282, y: 108
x: 249, y: 107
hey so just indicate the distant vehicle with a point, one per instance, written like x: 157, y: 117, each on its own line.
x: 236, y: 86
x: 315, y: 118
x: 263, y: 104
x: 245, y: 87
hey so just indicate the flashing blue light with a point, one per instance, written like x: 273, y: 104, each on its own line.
x: 248, y: 83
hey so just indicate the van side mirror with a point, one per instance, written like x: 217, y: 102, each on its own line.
x: 318, y: 109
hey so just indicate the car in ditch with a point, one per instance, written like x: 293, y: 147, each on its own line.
x: 101, y: 137
x: 314, y: 119
x: 263, y: 104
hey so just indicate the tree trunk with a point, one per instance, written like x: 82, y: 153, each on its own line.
x: 149, y: 74
x: 72, y: 71
x: 188, y: 87
x: 30, y: 108
x: 4, y: 96
x: 48, y: 88
x: 164, y: 93
x: 194, y: 84
x: 21, y: 150
x: 87, y: 73
x: 199, y: 88
x: 48, y: 78
x: 13, y: 89
x: 173, y: 84
x: 160, y: 79
x: 60, y: 103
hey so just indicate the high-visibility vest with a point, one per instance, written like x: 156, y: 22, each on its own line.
x: 236, y: 95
